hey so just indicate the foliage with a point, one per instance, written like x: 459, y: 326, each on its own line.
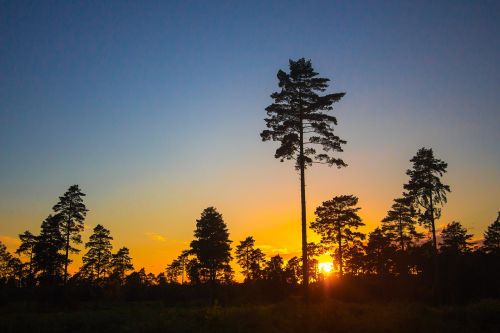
x: 455, y: 239
x: 211, y: 245
x: 97, y: 260
x: 491, y: 242
x: 71, y: 212
x: 336, y: 222
x: 426, y: 189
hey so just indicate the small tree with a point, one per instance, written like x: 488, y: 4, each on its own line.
x: 121, y: 262
x: 380, y: 253
x: 274, y: 270
x: 47, y: 259
x: 400, y: 223
x: 491, y: 242
x: 211, y: 245
x: 298, y: 119
x: 71, y: 211
x: 293, y: 270
x: 426, y: 189
x: 249, y: 258
x: 455, y: 239
x: 335, y: 221
x: 97, y: 260
x: 27, y: 247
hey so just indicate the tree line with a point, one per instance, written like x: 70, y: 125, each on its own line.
x: 299, y: 120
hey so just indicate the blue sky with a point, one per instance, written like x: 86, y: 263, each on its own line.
x: 161, y: 103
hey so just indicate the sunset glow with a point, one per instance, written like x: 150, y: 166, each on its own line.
x: 325, y: 267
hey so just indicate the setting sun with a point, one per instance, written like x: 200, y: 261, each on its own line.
x: 325, y: 267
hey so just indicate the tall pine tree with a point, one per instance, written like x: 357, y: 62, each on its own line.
x: 298, y: 119
x: 426, y: 189
x: 71, y: 212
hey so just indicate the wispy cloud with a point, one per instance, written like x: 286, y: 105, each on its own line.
x: 155, y: 237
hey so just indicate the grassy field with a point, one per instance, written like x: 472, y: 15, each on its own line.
x: 283, y: 317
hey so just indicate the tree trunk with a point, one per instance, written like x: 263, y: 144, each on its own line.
x: 341, y: 264
x: 67, y: 255
x: 305, y: 270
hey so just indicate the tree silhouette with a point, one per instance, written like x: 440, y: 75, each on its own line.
x: 274, y: 270
x: 27, y: 247
x: 211, y: 245
x: 334, y: 222
x: 178, y: 267
x: 455, y: 239
x: 249, y: 258
x: 380, y: 253
x: 426, y: 189
x: 400, y: 222
x: 5, y: 258
x: 97, y: 260
x: 293, y: 270
x: 298, y: 119
x: 47, y: 259
x: 121, y: 262
x: 491, y: 242
x: 71, y: 211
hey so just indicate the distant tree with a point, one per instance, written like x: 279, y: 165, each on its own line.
x: 293, y: 271
x: 380, y: 253
x: 335, y: 221
x: 5, y: 258
x: 314, y: 250
x: 249, y: 258
x: 97, y: 260
x: 27, y: 247
x: 274, y: 270
x: 47, y: 259
x: 121, y: 262
x: 298, y: 119
x: 455, y: 239
x: 162, y: 279
x: 211, y: 245
x: 71, y: 211
x: 400, y: 223
x: 256, y: 267
x: 354, y: 257
x: 426, y: 189
x: 173, y: 271
x: 491, y: 242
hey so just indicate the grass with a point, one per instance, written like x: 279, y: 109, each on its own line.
x: 290, y: 316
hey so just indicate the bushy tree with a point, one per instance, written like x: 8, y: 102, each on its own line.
x: 400, y: 223
x: 293, y: 271
x: 426, y: 189
x: 121, y: 262
x: 274, y: 269
x: 491, y: 242
x: 97, y: 260
x: 211, y: 245
x: 27, y: 248
x: 336, y: 222
x: 298, y: 119
x: 455, y: 239
x: 249, y: 258
x: 71, y: 212
x: 380, y: 253
x: 47, y: 259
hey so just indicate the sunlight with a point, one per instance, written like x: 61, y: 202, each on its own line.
x: 325, y: 267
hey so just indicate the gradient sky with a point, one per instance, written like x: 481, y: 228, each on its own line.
x: 155, y: 109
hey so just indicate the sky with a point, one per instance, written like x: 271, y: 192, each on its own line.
x: 154, y: 108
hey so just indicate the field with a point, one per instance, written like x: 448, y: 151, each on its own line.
x: 289, y: 316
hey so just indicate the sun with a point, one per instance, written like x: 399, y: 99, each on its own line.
x: 325, y: 267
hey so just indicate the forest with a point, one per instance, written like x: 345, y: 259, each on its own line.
x: 405, y: 260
